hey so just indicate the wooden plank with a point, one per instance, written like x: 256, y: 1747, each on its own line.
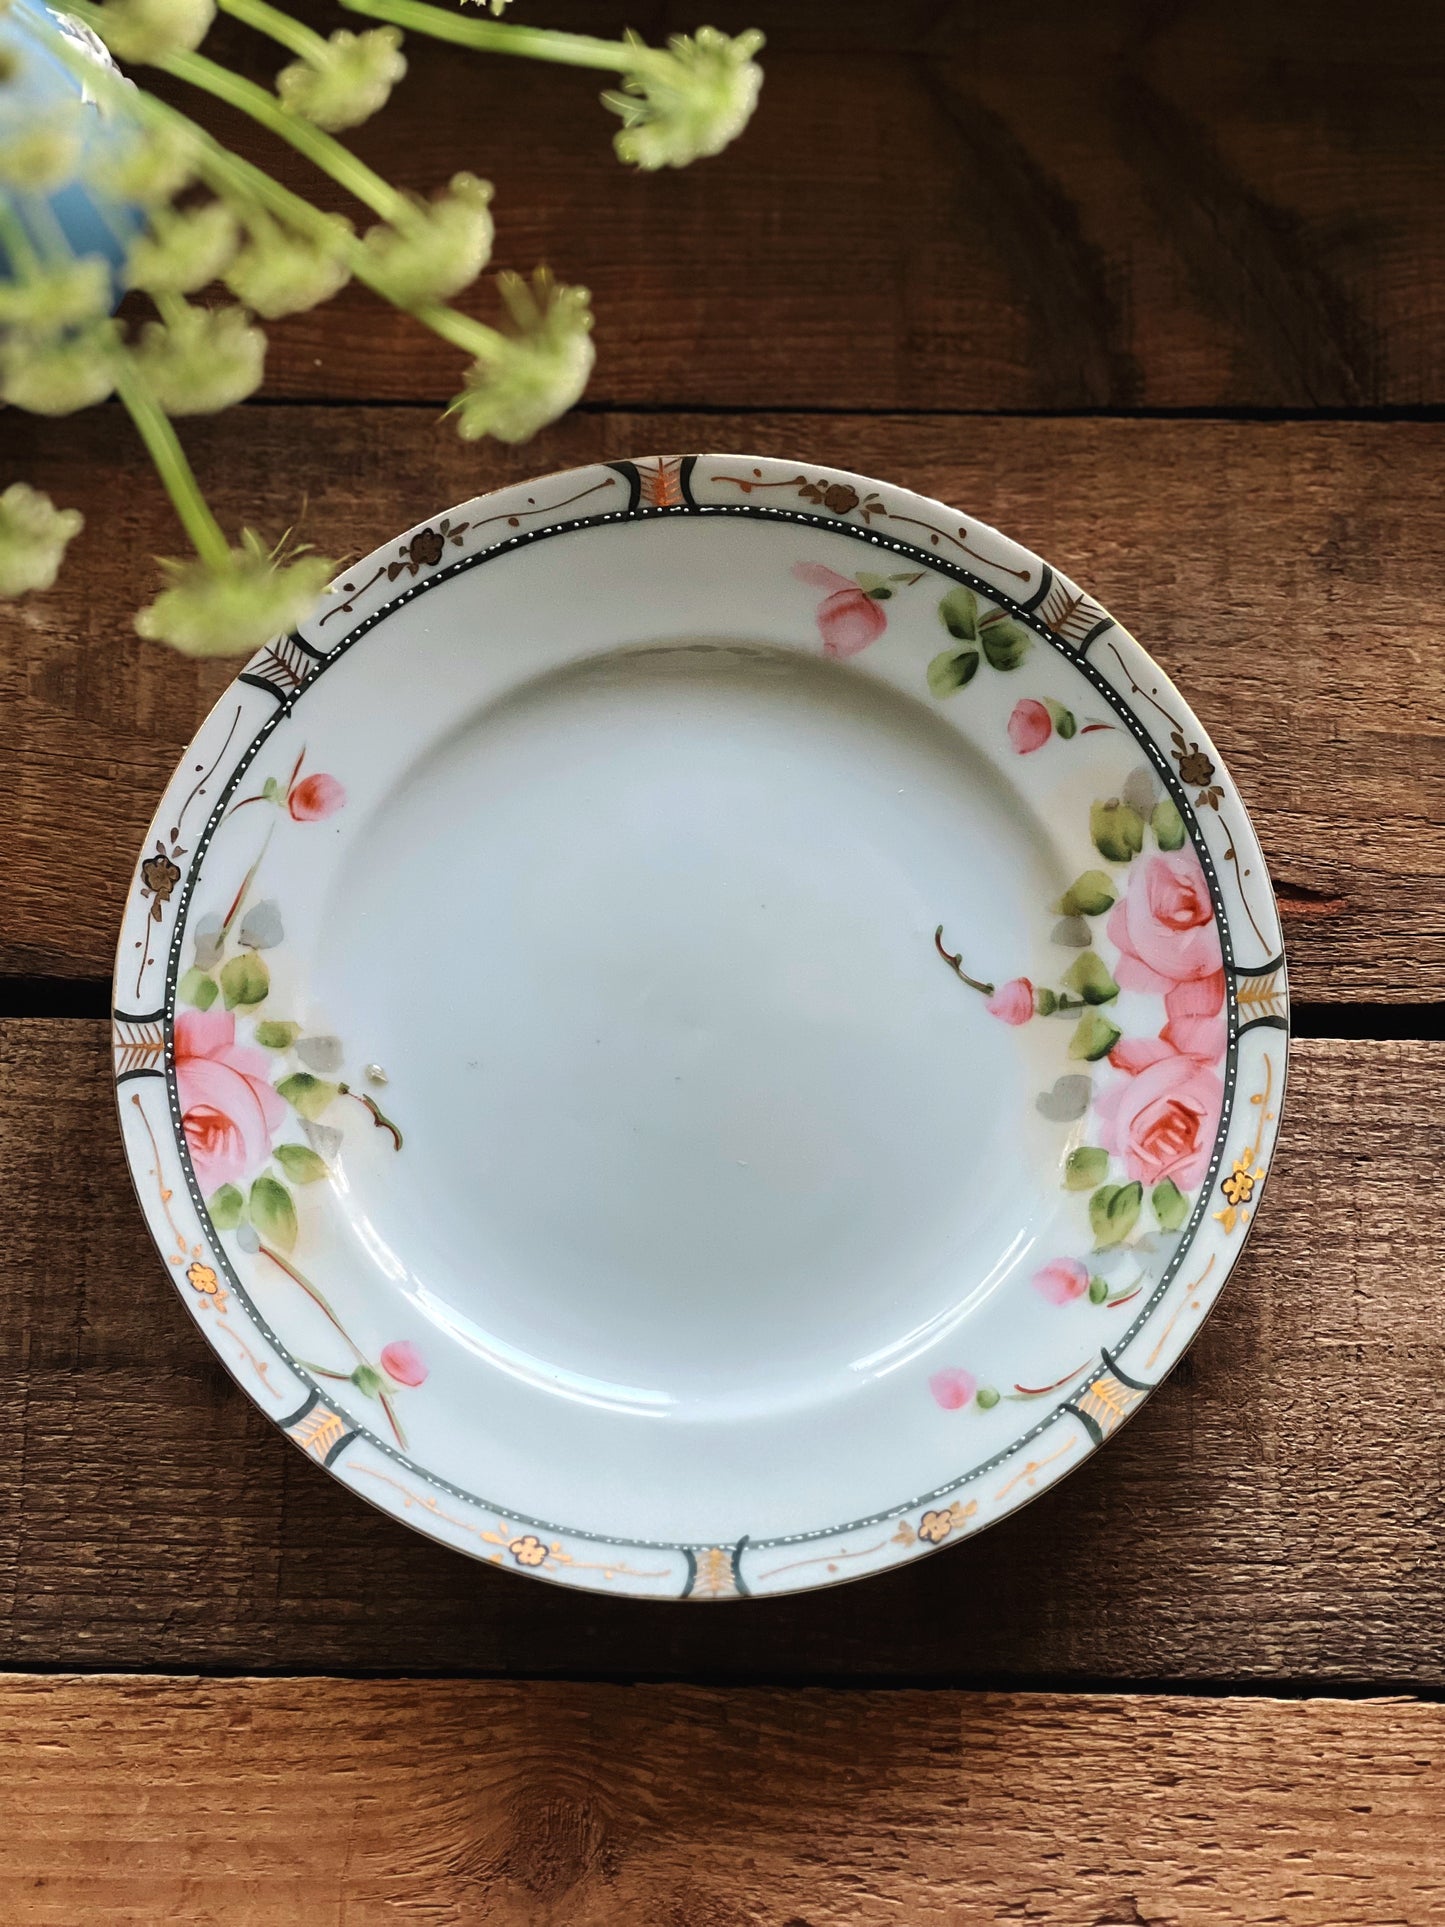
x: 1274, y: 1512
x: 1045, y: 207
x: 584, y: 1806
x: 1292, y: 577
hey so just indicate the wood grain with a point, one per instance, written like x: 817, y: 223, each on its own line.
x: 1291, y: 576
x: 1274, y: 1513
x: 584, y: 1806
x: 1122, y: 205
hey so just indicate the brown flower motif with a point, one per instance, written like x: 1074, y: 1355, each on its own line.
x: 1195, y: 768
x: 936, y: 1526
x: 840, y: 498
x: 528, y: 1550
x: 203, y: 1278
x: 159, y: 877
x: 425, y: 548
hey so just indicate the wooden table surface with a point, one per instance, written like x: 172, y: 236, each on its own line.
x: 1160, y: 290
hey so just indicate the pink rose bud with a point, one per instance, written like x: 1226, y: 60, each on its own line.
x: 1063, y: 1280
x: 402, y: 1361
x: 1013, y: 1001
x: 314, y: 797
x: 953, y: 1388
x: 1030, y: 726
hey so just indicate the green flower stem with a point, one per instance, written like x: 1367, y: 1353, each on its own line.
x: 496, y: 37
x: 236, y: 179
x: 317, y: 147
x: 293, y: 35
x: 163, y: 446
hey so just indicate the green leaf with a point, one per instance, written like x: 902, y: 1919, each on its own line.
x: 271, y: 790
x: 273, y: 1213
x: 1090, y: 896
x: 245, y: 980
x: 1113, y: 1213
x: 1089, y: 975
x: 1045, y: 1001
x: 987, y: 1398
x: 958, y: 612
x: 1171, y: 1207
x: 307, y: 1095
x: 1005, y: 643
x: 954, y: 669
x: 1098, y: 1290
x: 367, y: 1379
x: 198, y: 989
x: 227, y: 1207
x: 1117, y: 829
x: 1094, y: 1037
x: 274, y: 1035
x: 1064, y: 720
x: 1167, y: 824
x: 1085, y: 1167
x: 300, y: 1163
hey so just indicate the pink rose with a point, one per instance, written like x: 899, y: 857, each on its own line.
x: 228, y: 1108
x: 1161, y: 1115
x: 402, y: 1361
x: 1062, y: 1281
x: 1164, y: 925
x: 848, y: 618
x: 314, y: 797
x: 953, y: 1388
x: 1013, y: 1001
x: 1030, y: 726
x: 1196, y: 1025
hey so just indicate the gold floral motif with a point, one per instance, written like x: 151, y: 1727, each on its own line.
x: 1108, y: 1402
x: 319, y: 1431
x: 936, y: 1526
x: 1247, y: 1171
x: 528, y: 1550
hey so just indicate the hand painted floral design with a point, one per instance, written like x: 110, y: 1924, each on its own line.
x: 851, y: 615
x: 307, y: 799
x: 1033, y: 721
x: 1150, y: 1113
x: 229, y: 1111
x: 401, y: 1361
x: 528, y: 1550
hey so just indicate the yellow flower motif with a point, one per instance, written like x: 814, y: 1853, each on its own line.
x: 203, y: 1278
x: 1238, y: 1187
x: 936, y: 1526
x: 528, y: 1550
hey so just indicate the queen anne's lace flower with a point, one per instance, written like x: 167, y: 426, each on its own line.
x: 183, y: 249
x: 57, y: 374
x: 57, y: 295
x: 279, y: 272
x: 148, y: 30
x: 234, y: 609
x: 153, y: 165
x: 33, y: 538
x: 202, y: 359
x: 679, y: 105
x: 535, y: 374
x: 440, y: 248
x: 40, y: 152
x: 346, y: 81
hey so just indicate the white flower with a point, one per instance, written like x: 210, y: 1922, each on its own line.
x: 148, y: 30
x: 202, y: 360
x: 183, y: 249
x: 235, y: 609
x: 56, y: 296
x: 347, y: 81
x: 152, y: 167
x: 441, y: 248
x: 689, y: 101
x: 41, y: 151
x: 33, y: 538
x: 57, y: 374
x: 535, y: 375
x: 279, y: 272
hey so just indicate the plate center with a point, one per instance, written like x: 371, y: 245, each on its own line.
x: 695, y: 1116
